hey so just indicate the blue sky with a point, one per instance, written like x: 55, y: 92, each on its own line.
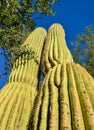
x: 73, y: 15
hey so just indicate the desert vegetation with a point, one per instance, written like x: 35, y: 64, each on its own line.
x: 65, y: 99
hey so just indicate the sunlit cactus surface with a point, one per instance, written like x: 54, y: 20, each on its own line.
x: 55, y: 50
x: 18, y: 95
x: 65, y: 99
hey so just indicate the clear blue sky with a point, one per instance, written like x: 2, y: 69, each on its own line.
x: 73, y: 15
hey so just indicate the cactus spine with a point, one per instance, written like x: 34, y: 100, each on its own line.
x: 64, y: 101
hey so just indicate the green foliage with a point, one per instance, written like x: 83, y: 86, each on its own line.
x: 83, y: 52
x: 17, y: 21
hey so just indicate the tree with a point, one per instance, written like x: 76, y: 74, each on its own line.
x: 17, y: 20
x: 83, y: 51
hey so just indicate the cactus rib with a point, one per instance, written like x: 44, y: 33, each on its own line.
x: 65, y: 116
x: 76, y: 111
x: 86, y: 105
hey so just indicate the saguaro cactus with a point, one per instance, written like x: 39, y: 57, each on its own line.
x: 64, y: 101
x: 67, y: 105
x: 29, y: 57
x: 17, y: 96
x: 55, y: 50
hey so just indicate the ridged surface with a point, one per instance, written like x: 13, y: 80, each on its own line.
x: 16, y: 106
x: 64, y: 101
x: 29, y: 57
x: 55, y: 49
x: 64, y: 106
x: 18, y: 95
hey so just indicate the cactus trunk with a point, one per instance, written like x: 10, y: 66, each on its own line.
x: 18, y: 95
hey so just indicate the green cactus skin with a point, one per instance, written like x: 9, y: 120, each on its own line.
x: 77, y: 117
x: 75, y: 85
x: 22, y: 71
x: 88, y: 77
x: 43, y: 125
x: 88, y: 85
x: 33, y: 124
x: 57, y: 79
x: 53, y: 100
x: 87, y: 108
x: 64, y: 106
x: 65, y: 115
x: 64, y: 101
x: 18, y: 95
x: 55, y: 50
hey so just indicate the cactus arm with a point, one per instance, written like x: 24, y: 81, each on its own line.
x: 55, y: 45
x: 86, y: 105
x: 69, y: 85
x: 76, y: 112
x: 22, y: 79
x: 63, y: 51
x: 89, y: 77
x: 30, y: 51
x: 88, y: 86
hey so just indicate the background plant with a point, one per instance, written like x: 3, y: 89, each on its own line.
x: 18, y: 19
x: 83, y: 51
